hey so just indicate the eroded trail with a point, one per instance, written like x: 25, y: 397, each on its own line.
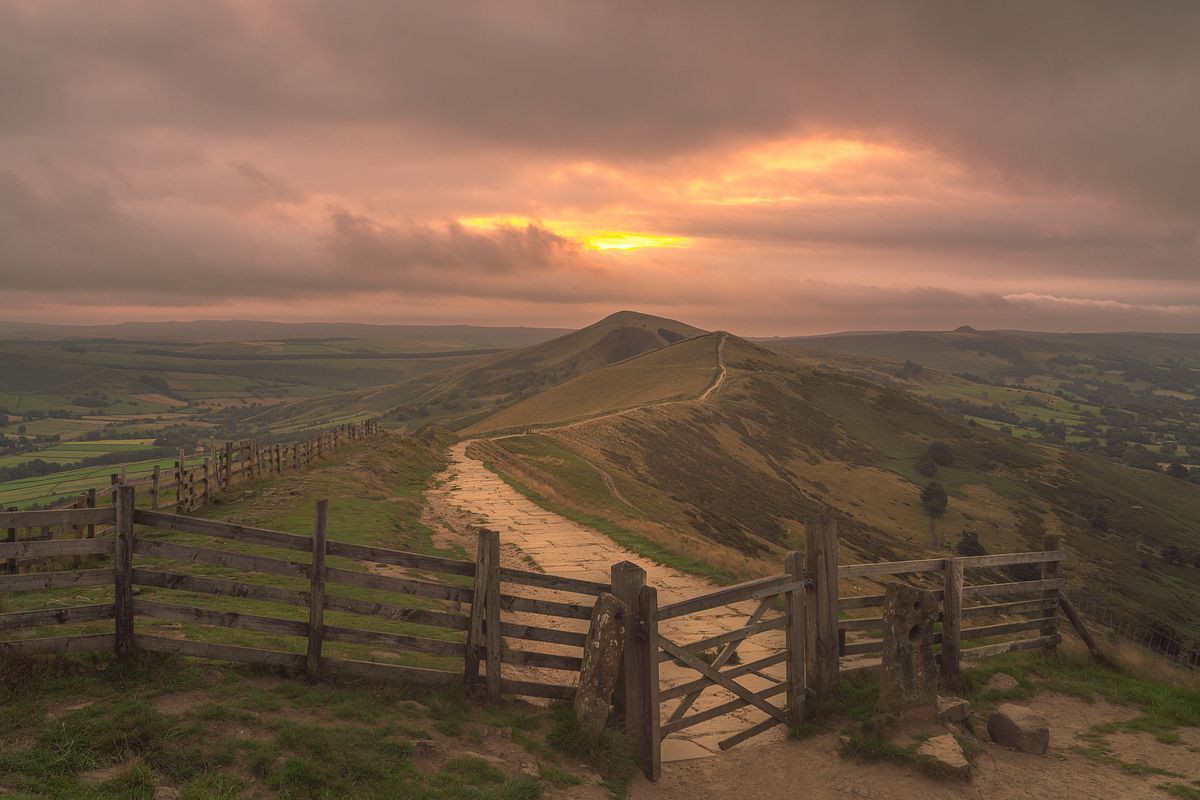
x: 469, y: 494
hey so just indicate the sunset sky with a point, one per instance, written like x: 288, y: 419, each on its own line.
x: 767, y: 168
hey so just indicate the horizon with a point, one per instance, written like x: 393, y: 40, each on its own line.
x: 572, y: 328
x: 810, y: 168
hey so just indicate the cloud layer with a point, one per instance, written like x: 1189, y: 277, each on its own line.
x: 812, y: 166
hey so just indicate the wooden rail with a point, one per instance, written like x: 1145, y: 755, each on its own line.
x: 481, y: 637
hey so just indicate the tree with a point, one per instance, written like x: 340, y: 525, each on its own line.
x: 925, y: 465
x: 968, y: 544
x: 1177, y: 470
x: 934, y: 501
x: 941, y: 454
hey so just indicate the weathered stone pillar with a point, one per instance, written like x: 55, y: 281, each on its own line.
x: 602, y: 653
x: 908, y: 682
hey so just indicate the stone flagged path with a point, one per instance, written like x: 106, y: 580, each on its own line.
x: 531, y: 535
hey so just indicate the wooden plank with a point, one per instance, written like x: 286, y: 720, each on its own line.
x: 57, y: 517
x: 535, y: 689
x: 748, y: 733
x: 1081, y: 629
x: 537, y: 658
x: 864, y: 624
x: 221, y: 652
x: 735, y: 635
x: 488, y: 567
x: 1004, y: 609
x: 716, y: 677
x: 388, y: 583
x: 123, y: 573
x: 83, y: 643
x: 557, y: 582
x: 648, y: 639
x: 1050, y: 573
x: 218, y: 586
x: 985, y: 631
x: 1017, y: 587
x: 952, y: 601
x: 49, y: 548
x: 225, y: 619
x: 55, y: 616
x: 220, y: 558
x: 533, y: 633
x: 720, y: 710
x: 548, y: 608
x: 1010, y: 647
x: 890, y: 568
x: 391, y: 673
x: 69, y: 579
x: 795, y: 638
x: 1007, y: 559
x: 316, y: 591
x: 417, y: 616
x: 724, y: 596
x: 222, y: 530
x: 627, y: 579
x: 11, y: 538
x: 401, y: 558
x: 338, y: 633
x: 700, y: 684
x: 723, y: 657
x: 821, y: 645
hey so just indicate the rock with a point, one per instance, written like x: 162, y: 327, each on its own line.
x: 1019, y: 727
x: 947, y: 754
x: 425, y: 748
x: 1000, y: 682
x: 602, y: 652
x: 497, y: 761
x: 908, y: 681
x: 529, y: 768
x: 952, y: 709
x: 165, y: 793
x: 504, y: 733
x: 977, y: 725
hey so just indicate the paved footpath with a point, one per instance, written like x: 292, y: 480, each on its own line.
x: 530, y: 535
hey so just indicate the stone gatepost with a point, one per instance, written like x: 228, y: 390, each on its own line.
x: 908, y: 682
x: 602, y: 654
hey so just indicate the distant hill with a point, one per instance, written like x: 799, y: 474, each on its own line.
x: 429, y: 337
x: 468, y: 392
x: 731, y: 480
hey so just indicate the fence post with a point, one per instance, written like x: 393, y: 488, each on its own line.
x: 180, y: 466
x: 227, y: 479
x: 12, y: 537
x: 114, y: 480
x: 821, y: 558
x: 207, y: 481
x: 628, y: 579
x: 316, y: 593
x: 155, y: 478
x: 123, y: 571
x: 91, y: 503
x: 952, y: 595
x: 793, y: 565
x: 485, y: 615
x: 1050, y: 572
x: 647, y: 625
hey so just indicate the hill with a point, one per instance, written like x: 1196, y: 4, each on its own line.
x: 731, y: 479
x: 674, y: 372
x: 1133, y: 397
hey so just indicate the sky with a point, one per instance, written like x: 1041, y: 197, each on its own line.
x: 769, y: 168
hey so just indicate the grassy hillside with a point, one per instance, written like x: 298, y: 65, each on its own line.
x: 1128, y: 396
x: 731, y: 480
x: 678, y: 371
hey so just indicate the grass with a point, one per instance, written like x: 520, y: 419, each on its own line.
x: 89, y: 727
x: 628, y: 539
x: 611, y: 754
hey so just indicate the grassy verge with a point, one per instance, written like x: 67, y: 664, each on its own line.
x: 628, y: 539
x: 93, y: 728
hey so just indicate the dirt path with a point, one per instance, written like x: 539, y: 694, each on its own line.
x: 814, y: 768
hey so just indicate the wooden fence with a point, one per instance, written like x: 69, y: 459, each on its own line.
x: 196, y: 477
x: 425, y: 599
x: 824, y: 635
